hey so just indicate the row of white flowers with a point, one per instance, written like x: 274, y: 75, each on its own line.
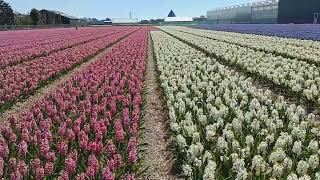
x: 299, y: 76
x: 225, y: 127
x: 300, y: 49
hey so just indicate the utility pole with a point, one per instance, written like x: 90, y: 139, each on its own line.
x: 131, y: 14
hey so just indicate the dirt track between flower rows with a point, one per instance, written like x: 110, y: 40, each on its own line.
x: 27, y: 103
x: 158, y: 159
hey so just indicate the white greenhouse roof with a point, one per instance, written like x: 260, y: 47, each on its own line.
x: 258, y: 3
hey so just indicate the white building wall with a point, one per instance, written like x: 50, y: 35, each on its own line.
x: 125, y: 20
x: 178, y: 19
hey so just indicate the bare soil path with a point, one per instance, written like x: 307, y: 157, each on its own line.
x: 157, y: 156
x: 27, y: 103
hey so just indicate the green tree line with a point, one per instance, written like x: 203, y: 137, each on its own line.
x: 8, y: 17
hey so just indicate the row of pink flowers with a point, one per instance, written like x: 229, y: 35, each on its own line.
x: 24, y: 78
x: 13, y: 38
x: 17, y: 53
x: 22, y: 38
x: 87, y: 127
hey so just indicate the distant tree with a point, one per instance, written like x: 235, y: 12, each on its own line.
x: 156, y: 21
x: 22, y: 19
x: 144, y: 22
x: 84, y: 21
x: 35, y: 16
x: 6, y: 13
x: 94, y: 20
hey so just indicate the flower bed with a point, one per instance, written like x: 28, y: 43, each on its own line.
x: 24, y: 78
x: 17, y: 53
x: 225, y: 127
x: 297, y: 76
x: 300, y: 49
x: 87, y: 127
x: 298, y: 31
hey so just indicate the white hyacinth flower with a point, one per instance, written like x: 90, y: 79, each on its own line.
x: 210, y: 132
x: 313, y: 161
x: 234, y: 157
x: 270, y: 138
x: 249, y: 140
x: 317, y: 176
x: 277, y: 156
x: 305, y: 177
x: 287, y: 163
x: 316, y: 131
x: 278, y: 170
x: 299, y: 133
x: 263, y: 148
x: 235, y: 145
x: 237, y: 125
x: 242, y: 175
x: 182, y: 143
x: 302, y: 168
x: 196, y: 137
x: 175, y: 127
x: 187, y: 170
x: 238, y: 165
x: 292, y: 176
x: 222, y: 145
x: 258, y: 165
x: 207, y: 156
x: 313, y: 146
x: 209, y: 171
x: 197, y: 162
x: 297, y: 148
x: 255, y: 125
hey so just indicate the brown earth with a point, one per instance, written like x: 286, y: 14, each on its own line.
x: 158, y: 159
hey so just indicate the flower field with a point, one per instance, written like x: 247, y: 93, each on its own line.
x: 297, y: 31
x: 87, y: 127
x: 109, y: 102
x: 293, y: 48
x: 295, y: 75
x: 225, y: 126
x: 25, y: 77
x: 15, y: 53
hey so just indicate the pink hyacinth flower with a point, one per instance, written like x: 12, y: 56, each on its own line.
x: 107, y: 174
x: 70, y: 165
x: 63, y: 148
x: 23, y: 148
x: 39, y: 173
x: 48, y: 168
x: 119, y: 131
x: 22, y: 168
x: 81, y: 176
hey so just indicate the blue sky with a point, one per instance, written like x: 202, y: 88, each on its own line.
x: 142, y: 9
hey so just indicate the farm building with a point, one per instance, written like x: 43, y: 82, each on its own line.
x: 124, y: 21
x: 268, y: 12
x: 258, y: 12
x: 107, y: 21
x: 57, y: 17
x: 173, y: 19
x: 299, y: 12
x: 171, y: 14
